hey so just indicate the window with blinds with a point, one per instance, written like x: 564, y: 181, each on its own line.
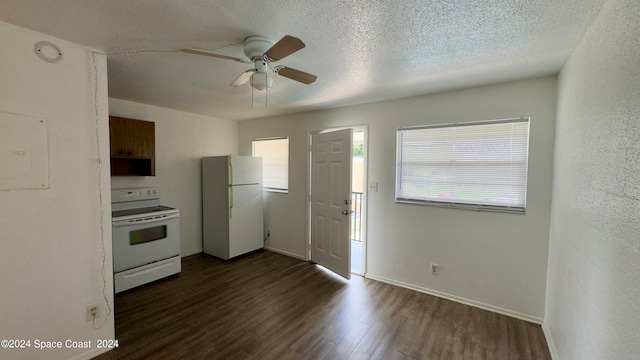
x: 478, y: 165
x: 275, y: 163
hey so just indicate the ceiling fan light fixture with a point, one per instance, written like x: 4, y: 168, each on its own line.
x: 261, y: 81
x: 261, y: 51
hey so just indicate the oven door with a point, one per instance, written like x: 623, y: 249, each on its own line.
x: 143, y: 240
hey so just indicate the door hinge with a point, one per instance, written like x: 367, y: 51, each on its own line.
x: 309, y: 197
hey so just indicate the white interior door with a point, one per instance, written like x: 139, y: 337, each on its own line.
x: 331, y: 201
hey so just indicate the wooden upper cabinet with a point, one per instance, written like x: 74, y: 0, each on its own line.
x: 133, y: 147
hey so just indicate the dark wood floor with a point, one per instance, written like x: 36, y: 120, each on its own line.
x: 269, y: 306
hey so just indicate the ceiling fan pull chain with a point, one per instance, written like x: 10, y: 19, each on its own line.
x: 266, y: 90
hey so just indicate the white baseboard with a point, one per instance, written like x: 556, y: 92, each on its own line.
x: 550, y: 344
x: 290, y: 254
x: 459, y: 299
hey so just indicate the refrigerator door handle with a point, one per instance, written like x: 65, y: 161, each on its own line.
x: 230, y: 187
x: 231, y: 201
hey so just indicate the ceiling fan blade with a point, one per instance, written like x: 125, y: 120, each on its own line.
x: 285, y: 47
x: 206, y: 53
x: 243, y: 78
x: 296, y: 75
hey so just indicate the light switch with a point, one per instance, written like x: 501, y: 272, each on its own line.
x: 373, y: 186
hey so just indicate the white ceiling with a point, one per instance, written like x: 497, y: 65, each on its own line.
x: 361, y: 50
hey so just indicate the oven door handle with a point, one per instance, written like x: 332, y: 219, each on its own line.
x: 146, y: 221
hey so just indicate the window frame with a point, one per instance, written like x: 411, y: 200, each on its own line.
x: 453, y: 204
x: 269, y: 188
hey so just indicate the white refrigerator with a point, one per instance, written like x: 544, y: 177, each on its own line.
x: 232, y: 220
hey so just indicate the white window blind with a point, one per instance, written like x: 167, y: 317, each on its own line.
x: 275, y: 162
x: 478, y: 165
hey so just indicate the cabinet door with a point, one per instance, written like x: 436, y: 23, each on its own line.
x: 132, y: 147
x: 131, y: 138
x: 142, y: 138
x: 118, y: 137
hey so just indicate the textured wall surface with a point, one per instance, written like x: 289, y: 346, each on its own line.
x: 494, y: 260
x: 182, y: 139
x: 593, y: 286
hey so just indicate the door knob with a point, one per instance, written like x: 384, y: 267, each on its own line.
x: 345, y: 212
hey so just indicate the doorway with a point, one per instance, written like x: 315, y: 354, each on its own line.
x: 357, y: 203
x: 358, y: 199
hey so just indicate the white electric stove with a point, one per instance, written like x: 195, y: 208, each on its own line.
x: 146, y: 238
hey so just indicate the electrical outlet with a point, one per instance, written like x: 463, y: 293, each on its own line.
x: 435, y: 269
x: 93, y: 312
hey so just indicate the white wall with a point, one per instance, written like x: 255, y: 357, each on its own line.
x: 51, y: 241
x: 182, y: 139
x: 493, y: 260
x: 593, y: 285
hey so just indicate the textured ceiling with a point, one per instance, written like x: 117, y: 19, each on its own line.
x: 361, y: 50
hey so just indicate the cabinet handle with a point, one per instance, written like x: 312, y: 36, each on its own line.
x: 129, y: 153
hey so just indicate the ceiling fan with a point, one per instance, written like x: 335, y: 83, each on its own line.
x: 262, y: 51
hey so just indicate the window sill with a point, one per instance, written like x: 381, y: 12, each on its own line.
x: 474, y: 207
